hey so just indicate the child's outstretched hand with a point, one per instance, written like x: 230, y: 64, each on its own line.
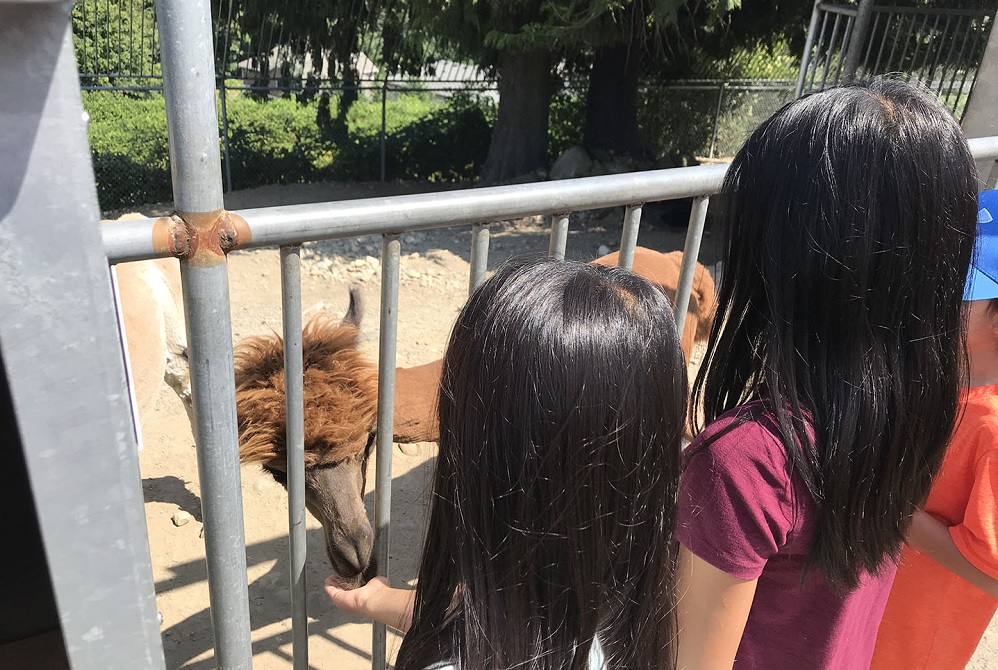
x: 376, y: 599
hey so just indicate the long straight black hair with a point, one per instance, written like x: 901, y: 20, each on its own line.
x: 850, y: 225
x: 551, y: 524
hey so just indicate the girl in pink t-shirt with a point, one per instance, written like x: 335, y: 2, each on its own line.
x: 830, y: 384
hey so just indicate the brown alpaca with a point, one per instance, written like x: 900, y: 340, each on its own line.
x: 416, y: 388
x: 341, y: 405
x: 663, y: 269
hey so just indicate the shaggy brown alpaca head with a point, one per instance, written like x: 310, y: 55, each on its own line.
x: 341, y: 398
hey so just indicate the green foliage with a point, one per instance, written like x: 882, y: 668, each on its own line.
x: 760, y: 59
x: 274, y: 142
x: 565, y: 121
x: 129, y: 148
x: 115, y: 37
x: 281, y: 141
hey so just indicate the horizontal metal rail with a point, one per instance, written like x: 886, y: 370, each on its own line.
x: 845, y: 10
x: 294, y: 224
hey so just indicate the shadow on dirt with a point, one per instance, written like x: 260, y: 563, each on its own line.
x: 192, y: 637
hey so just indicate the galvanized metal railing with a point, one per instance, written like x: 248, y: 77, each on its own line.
x: 939, y: 48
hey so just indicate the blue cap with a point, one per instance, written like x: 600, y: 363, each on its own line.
x: 982, y: 280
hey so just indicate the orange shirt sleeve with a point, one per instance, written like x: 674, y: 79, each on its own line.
x: 977, y: 535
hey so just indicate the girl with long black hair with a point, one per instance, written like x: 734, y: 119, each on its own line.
x: 830, y: 383
x: 550, y: 540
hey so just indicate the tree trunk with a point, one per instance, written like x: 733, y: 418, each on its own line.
x: 519, y: 142
x: 612, y: 104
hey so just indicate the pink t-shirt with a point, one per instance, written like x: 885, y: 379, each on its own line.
x: 745, y: 511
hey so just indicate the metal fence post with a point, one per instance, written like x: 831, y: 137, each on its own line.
x: 294, y: 412
x: 390, y: 255
x: 805, y: 61
x: 856, y: 39
x: 629, y: 236
x: 192, y: 126
x: 691, y: 251
x: 62, y: 358
x: 559, y: 236
x: 479, y: 255
x: 384, y: 123
x: 225, y: 135
x: 717, y: 118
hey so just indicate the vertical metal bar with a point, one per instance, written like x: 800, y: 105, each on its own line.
x: 62, y: 359
x: 390, y: 254
x: 629, y: 236
x: 225, y: 54
x: 83, y: 42
x: 691, y: 251
x: 869, y: 43
x: 912, y: 36
x: 846, y: 36
x: 106, y: 67
x: 119, y: 36
x: 808, y: 47
x: 930, y: 40
x: 295, y: 417
x: 717, y: 117
x: 949, y: 56
x: 831, y: 50
x: 559, y: 236
x: 963, y: 81
x: 939, y: 52
x: 919, y: 37
x: 883, y: 43
x: 956, y: 69
x: 479, y: 255
x: 131, y: 34
x: 858, y: 36
x: 192, y: 126
x: 817, y: 50
x: 142, y: 46
x: 225, y: 133
x: 384, y: 118
x: 898, y: 28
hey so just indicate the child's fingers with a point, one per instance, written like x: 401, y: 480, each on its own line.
x: 349, y: 597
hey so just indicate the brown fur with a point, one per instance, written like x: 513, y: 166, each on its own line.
x: 416, y: 403
x: 341, y: 396
x: 663, y: 269
x: 416, y: 388
x: 152, y: 312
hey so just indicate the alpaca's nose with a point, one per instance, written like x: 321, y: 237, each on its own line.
x: 351, y: 554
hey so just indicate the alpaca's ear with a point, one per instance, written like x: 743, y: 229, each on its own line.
x: 355, y: 311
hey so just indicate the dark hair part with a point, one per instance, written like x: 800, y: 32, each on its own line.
x: 561, y: 413
x: 850, y: 218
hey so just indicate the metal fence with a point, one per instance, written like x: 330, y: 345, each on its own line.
x: 938, y: 48
x: 693, y: 120
x: 120, y: 68
x: 56, y: 294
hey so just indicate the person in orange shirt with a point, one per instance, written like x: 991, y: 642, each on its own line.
x: 946, y: 589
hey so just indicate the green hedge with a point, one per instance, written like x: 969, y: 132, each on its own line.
x: 281, y: 141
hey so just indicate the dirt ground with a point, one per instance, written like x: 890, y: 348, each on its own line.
x: 434, y: 283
